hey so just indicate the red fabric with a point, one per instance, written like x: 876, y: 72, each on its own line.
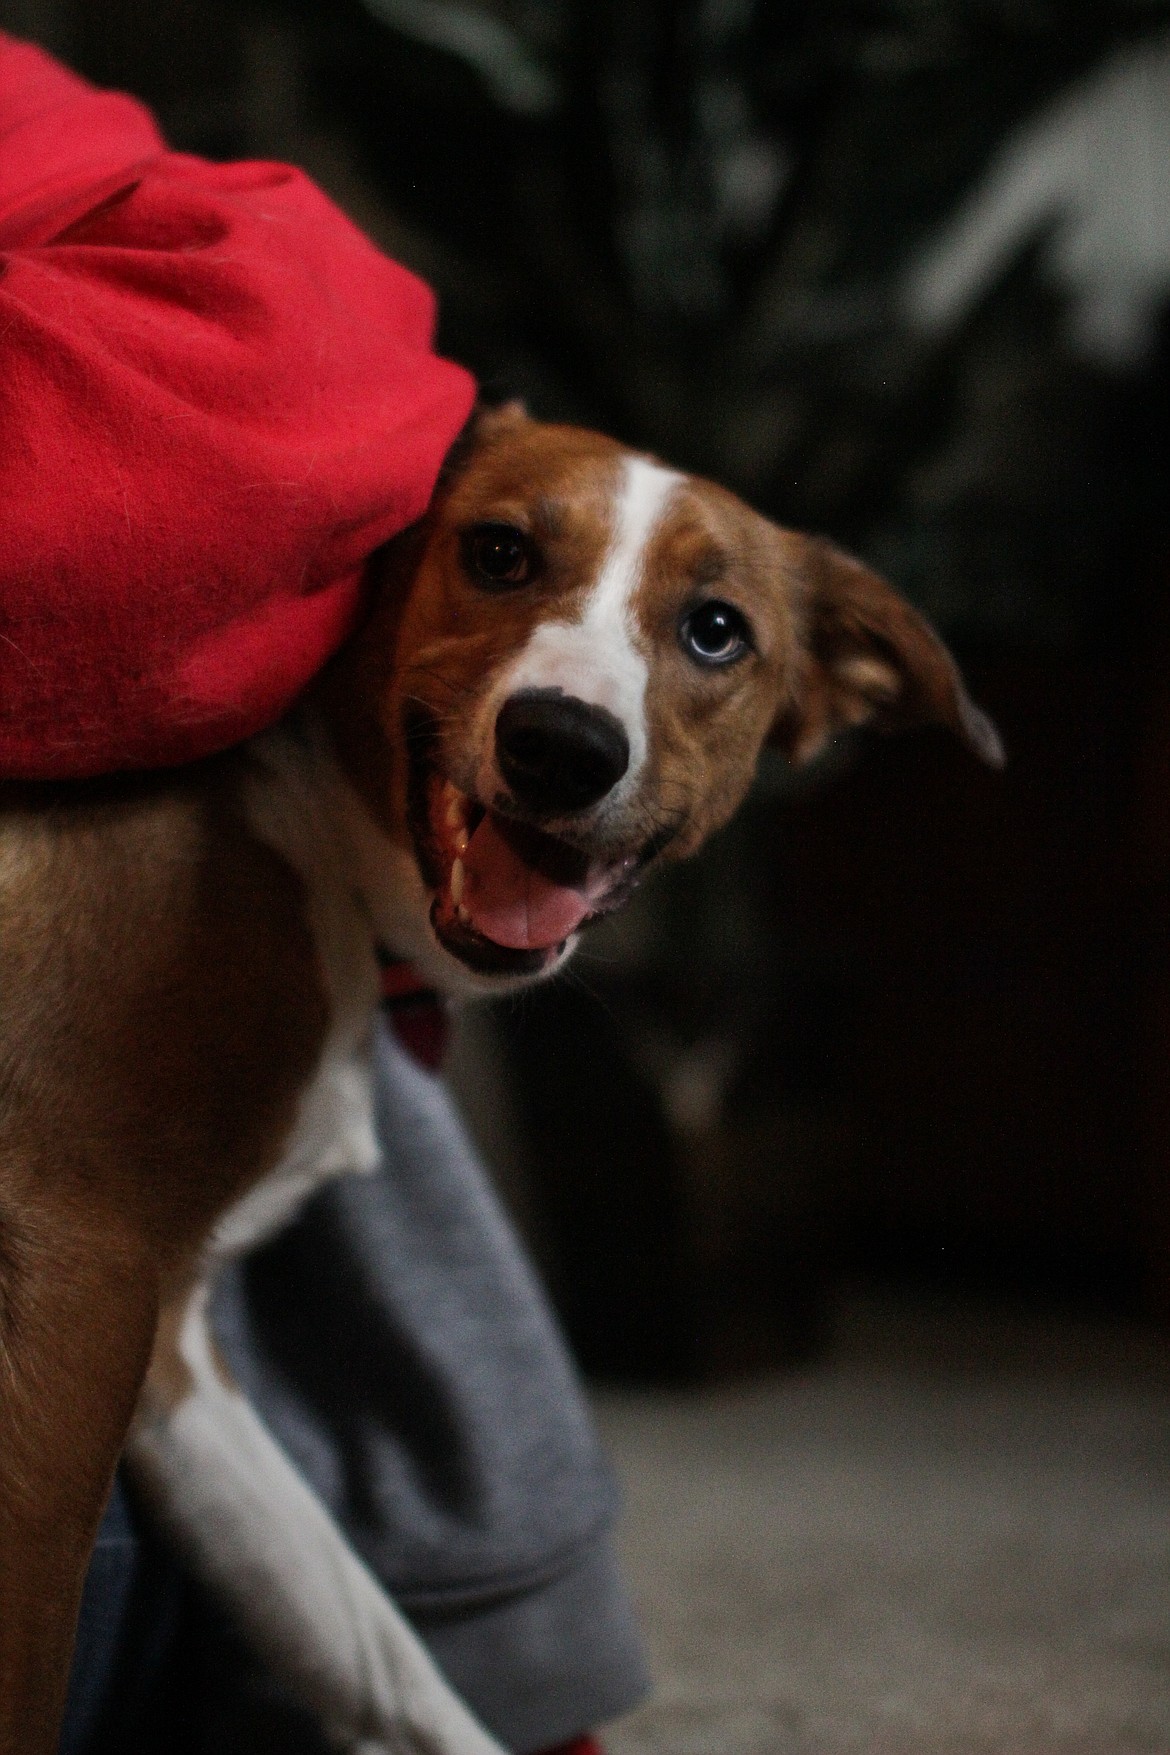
x: 216, y: 399
x: 424, y: 1030
x: 417, y: 1013
x: 579, y: 1746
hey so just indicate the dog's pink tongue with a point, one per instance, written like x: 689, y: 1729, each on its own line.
x: 510, y: 901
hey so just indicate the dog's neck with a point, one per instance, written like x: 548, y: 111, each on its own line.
x: 366, y: 897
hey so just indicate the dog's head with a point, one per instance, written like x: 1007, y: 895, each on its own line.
x: 568, y: 677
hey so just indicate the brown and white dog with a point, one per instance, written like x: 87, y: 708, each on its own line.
x: 566, y: 677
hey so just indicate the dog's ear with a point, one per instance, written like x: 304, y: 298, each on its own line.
x: 483, y: 424
x: 867, y: 656
x: 503, y: 418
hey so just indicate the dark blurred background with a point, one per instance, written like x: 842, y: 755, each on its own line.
x: 896, y: 270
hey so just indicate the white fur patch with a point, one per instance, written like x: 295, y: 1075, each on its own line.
x: 597, y: 657
x: 288, y: 799
x: 333, y: 1135
x: 264, y: 1543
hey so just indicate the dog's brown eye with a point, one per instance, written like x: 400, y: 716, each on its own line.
x: 715, y: 633
x: 498, y: 554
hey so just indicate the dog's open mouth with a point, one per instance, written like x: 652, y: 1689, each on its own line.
x: 507, y: 895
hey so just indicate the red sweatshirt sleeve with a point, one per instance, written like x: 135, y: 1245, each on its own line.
x: 216, y: 399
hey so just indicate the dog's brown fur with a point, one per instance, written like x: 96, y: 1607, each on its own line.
x: 161, y: 1009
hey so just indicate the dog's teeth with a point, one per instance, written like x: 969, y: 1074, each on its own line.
x: 462, y: 915
x: 455, y: 816
x: 457, y: 882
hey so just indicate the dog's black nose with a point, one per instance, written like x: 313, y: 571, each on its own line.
x: 557, y: 753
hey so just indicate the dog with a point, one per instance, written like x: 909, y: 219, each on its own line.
x: 565, y: 677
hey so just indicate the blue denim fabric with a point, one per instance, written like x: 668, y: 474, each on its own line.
x: 130, y: 1613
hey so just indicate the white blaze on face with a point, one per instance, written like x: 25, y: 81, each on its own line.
x: 596, y: 658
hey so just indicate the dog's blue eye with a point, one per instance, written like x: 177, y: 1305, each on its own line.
x: 715, y: 633
x: 498, y: 555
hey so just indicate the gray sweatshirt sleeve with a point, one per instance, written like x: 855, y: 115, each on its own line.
x: 396, y: 1341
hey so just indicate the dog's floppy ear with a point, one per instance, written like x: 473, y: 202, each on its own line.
x: 867, y: 656
x: 501, y: 417
x: 485, y: 422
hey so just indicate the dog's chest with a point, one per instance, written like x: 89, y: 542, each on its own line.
x: 286, y: 797
x: 333, y: 1135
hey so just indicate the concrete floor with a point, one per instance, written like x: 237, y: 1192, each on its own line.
x: 953, y: 1537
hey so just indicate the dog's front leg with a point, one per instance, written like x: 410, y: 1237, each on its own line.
x: 259, y: 1537
x: 78, y: 1304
